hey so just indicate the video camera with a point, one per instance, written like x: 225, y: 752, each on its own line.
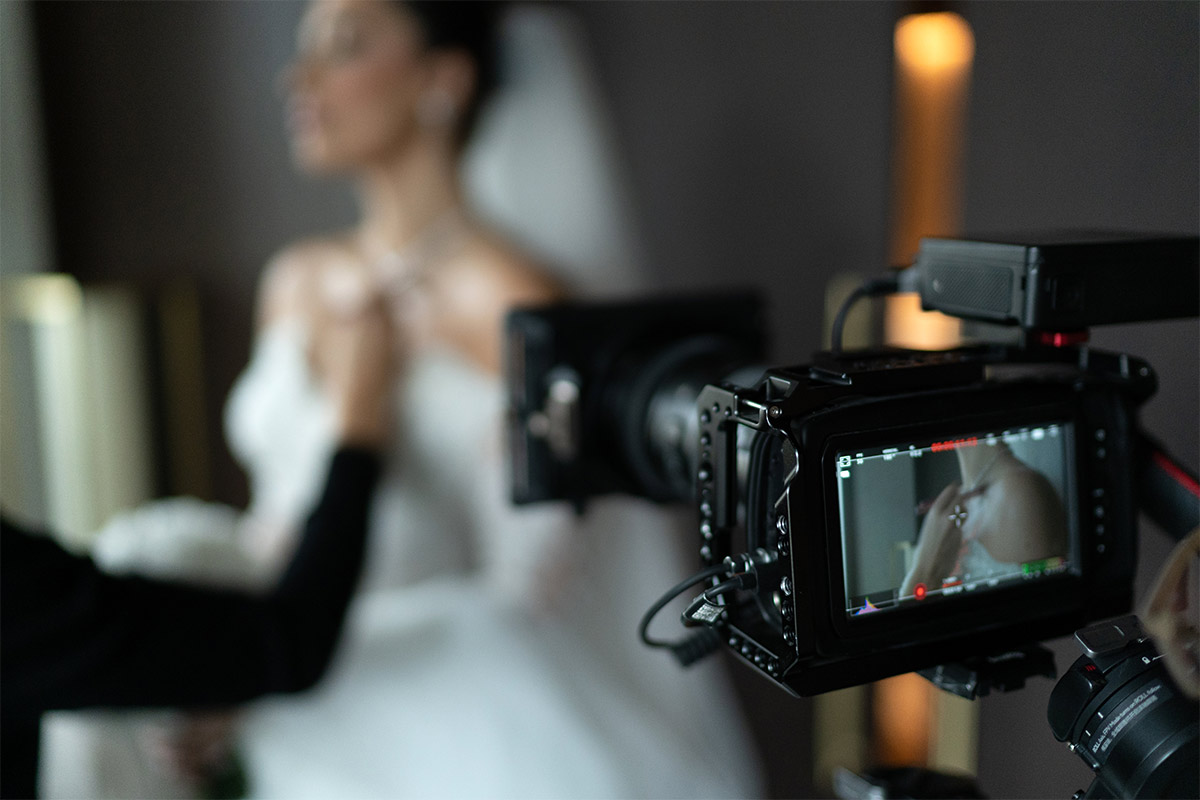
x: 812, y: 483
x: 876, y: 512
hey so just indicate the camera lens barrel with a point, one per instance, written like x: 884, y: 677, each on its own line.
x: 1119, y: 710
x: 652, y: 414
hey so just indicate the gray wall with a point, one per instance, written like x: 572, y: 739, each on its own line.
x: 757, y: 137
x: 758, y: 140
x: 24, y: 213
x: 169, y: 162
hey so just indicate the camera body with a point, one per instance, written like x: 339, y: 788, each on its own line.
x: 839, y: 455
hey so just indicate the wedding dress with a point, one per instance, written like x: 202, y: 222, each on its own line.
x: 978, y: 564
x: 491, y: 651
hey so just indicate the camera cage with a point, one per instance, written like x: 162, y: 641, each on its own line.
x: 790, y: 626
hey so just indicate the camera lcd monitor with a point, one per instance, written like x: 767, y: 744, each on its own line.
x: 928, y: 521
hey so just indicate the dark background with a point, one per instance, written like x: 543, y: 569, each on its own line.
x: 756, y: 137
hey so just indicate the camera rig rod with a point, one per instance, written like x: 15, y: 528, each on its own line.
x: 1167, y: 490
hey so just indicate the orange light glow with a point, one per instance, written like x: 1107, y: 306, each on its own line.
x: 939, y: 42
x: 934, y: 54
x: 903, y: 718
x: 906, y: 325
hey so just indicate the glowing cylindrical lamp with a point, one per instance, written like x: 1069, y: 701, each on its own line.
x: 934, y: 53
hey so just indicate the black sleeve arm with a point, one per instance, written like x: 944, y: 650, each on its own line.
x: 75, y: 637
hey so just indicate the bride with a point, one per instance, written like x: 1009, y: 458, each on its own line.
x: 1002, y: 513
x: 491, y: 650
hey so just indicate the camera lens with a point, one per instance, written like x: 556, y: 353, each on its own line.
x: 1120, y: 712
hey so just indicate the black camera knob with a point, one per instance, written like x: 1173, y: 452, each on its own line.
x: 1070, y: 698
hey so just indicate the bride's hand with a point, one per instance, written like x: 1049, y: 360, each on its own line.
x: 938, y: 544
x: 360, y: 358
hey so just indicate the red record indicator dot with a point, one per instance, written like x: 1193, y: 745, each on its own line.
x: 919, y: 591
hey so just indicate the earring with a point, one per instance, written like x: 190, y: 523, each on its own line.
x: 436, y: 108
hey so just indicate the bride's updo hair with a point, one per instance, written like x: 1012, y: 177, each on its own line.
x: 470, y: 26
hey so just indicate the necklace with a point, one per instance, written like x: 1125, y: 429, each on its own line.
x: 396, y: 272
x: 959, y: 517
x: 399, y: 270
x: 982, y: 474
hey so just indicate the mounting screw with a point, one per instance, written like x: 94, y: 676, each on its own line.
x: 774, y: 412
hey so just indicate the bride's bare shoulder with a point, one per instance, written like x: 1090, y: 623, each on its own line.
x: 511, y: 276
x: 483, y: 283
x: 288, y: 285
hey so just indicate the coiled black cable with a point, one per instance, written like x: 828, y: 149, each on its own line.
x: 690, y: 649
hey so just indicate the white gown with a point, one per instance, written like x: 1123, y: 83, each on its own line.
x: 491, y: 651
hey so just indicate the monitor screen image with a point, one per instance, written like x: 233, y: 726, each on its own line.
x: 927, y: 521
